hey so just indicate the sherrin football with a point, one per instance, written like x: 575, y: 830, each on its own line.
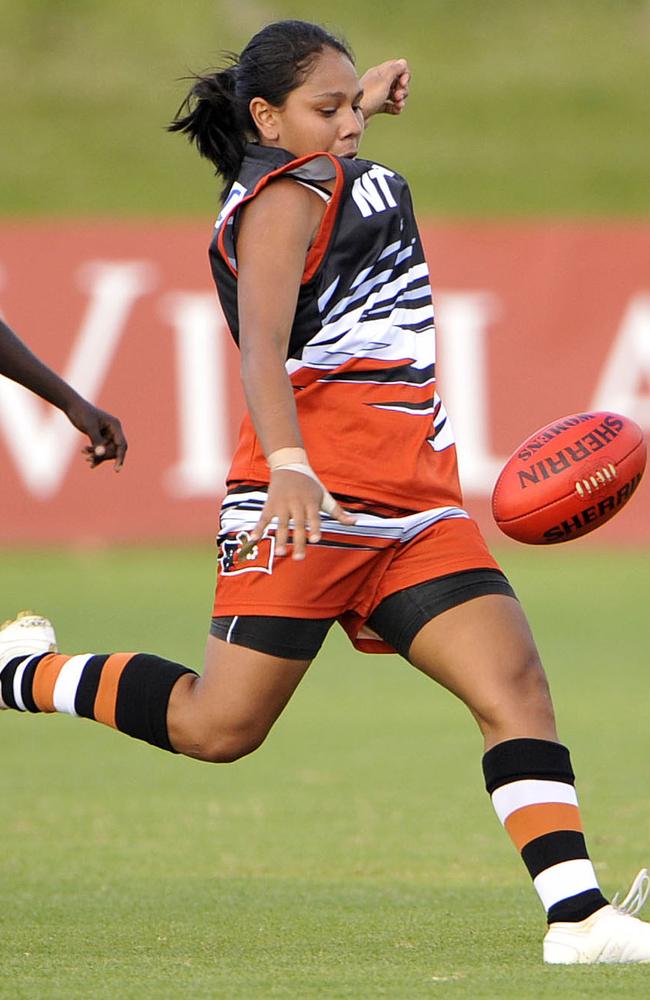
x: 569, y: 478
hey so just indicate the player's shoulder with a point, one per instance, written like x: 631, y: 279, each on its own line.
x: 283, y: 207
x: 285, y: 199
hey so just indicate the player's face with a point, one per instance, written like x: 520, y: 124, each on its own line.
x: 323, y: 113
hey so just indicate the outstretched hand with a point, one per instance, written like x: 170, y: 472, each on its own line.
x: 385, y: 88
x: 107, y: 441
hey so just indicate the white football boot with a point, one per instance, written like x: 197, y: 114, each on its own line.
x: 26, y: 634
x: 612, y: 934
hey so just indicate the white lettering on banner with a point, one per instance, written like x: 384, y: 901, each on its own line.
x: 462, y: 321
x: 625, y: 380
x: 203, y: 416
x: 41, y: 440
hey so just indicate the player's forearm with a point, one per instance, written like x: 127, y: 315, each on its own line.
x: 269, y: 396
x: 19, y: 364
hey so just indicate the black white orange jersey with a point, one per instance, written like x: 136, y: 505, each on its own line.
x: 361, y: 354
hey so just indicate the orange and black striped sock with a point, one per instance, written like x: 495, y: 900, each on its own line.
x: 128, y: 691
x: 532, y: 787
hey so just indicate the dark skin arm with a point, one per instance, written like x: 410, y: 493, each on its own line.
x: 271, y: 260
x: 17, y: 362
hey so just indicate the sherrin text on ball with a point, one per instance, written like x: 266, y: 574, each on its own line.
x: 569, y: 477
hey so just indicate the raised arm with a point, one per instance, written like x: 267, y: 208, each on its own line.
x: 17, y: 362
x: 275, y: 233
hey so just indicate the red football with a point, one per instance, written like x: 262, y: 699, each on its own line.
x: 569, y: 478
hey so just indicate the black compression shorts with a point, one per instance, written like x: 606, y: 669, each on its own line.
x: 398, y: 618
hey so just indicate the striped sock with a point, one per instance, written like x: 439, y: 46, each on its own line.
x: 532, y: 787
x: 128, y: 691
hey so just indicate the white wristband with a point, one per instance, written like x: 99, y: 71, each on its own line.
x: 327, y: 503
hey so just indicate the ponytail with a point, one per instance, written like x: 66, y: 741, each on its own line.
x: 210, y: 118
x: 215, y: 114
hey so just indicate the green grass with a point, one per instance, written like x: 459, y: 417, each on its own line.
x: 355, y: 855
x: 518, y: 108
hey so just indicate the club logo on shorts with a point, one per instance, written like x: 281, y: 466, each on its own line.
x: 258, y: 560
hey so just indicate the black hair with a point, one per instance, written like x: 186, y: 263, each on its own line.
x: 215, y: 114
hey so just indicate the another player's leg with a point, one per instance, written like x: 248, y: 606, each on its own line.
x: 220, y: 716
x: 483, y: 652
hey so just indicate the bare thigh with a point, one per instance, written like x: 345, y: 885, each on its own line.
x: 483, y: 651
x: 228, y: 711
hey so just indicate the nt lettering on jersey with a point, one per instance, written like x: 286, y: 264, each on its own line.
x: 371, y: 192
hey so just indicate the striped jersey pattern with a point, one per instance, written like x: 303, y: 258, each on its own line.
x: 361, y: 356
x: 241, y: 510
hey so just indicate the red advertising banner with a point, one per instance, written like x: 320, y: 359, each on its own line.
x: 535, y: 321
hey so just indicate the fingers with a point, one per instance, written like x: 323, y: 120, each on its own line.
x: 393, y: 68
x: 313, y: 521
x: 331, y: 507
x: 116, y: 435
x: 303, y: 522
x: 94, y: 454
x: 299, y: 542
x: 302, y: 525
x: 301, y: 528
x: 113, y: 444
x: 107, y: 440
x: 265, y: 519
x: 398, y: 94
x: 399, y: 89
x: 386, y: 88
x: 342, y: 515
x: 294, y: 503
x: 282, y: 533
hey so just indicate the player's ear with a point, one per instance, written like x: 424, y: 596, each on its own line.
x: 265, y: 118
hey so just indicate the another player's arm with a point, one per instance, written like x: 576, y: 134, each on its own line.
x: 17, y: 362
x: 274, y: 236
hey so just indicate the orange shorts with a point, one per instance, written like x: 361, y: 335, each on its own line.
x: 349, y: 572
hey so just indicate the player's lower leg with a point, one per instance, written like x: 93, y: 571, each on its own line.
x: 531, y: 783
x: 220, y: 716
x: 528, y: 773
x: 128, y: 691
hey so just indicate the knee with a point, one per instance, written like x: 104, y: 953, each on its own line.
x: 521, y: 699
x: 527, y: 690
x: 231, y: 746
x: 222, y: 745
x: 528, y: 679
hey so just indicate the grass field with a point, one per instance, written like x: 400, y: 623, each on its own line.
x: 355, y: 855
x: 518, y: 108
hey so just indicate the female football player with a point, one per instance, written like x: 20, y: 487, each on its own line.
x: 17, y: 362
x: 343, y: 500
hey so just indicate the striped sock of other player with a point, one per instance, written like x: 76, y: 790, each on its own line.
x: 531, y: 783
x: 128, y: 691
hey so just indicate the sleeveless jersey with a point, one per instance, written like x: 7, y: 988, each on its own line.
x: 361, y: 354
